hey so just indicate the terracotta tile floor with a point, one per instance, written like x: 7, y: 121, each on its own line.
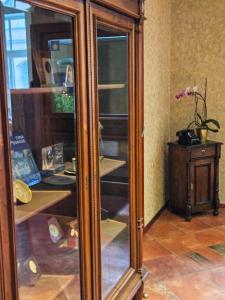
x: 186, y: 260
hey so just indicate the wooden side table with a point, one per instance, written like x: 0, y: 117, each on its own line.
x: 194, y: 178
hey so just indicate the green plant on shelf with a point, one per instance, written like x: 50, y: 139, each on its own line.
x: 63, y: 103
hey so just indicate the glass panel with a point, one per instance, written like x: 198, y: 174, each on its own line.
x: 40, y: 75
x: 114, y: 154
x: 20, y: 67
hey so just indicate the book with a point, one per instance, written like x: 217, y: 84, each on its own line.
x: 23, y: 163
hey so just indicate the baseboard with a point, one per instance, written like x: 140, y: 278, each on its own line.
x: 156, y: 217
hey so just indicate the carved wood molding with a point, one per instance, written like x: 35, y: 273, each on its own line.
x: 142, y: 11
x: 131, y: 9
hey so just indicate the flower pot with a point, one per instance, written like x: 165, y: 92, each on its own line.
x: 203, y: 135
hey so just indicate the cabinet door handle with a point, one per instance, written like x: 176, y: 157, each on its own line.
x: 192, y: 186
x: 203, y: 150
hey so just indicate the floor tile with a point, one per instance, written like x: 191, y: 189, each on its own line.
x: 212, y: 256
x: 209, y: 237
x: 166, y: 267
x: 194, y: 225
x: 168, y: 216
x: 164, y: 230
x: 220, y: 228
x: 195, y: 286
x: 213, y: 220
x: 179, y: 245
x: 217, y: 276
x: 160, y: 292
x: 153, y: 249
x: 198, y: 261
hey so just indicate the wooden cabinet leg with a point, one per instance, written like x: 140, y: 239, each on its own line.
x: 188, y: 218
x: 216, y: 205
x: 215, y: 212
x: 189, y: 191
x: 216, y: 197
x: 188, y: 213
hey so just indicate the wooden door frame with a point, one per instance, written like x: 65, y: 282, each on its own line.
x: 109, y: 18
x: 140, y: 139
x: 7, y: 233
x: 8, y: 266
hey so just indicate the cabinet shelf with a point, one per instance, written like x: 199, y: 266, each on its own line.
x: 42, y: 200
x: 46, y: 90
x: 48, y: 287
x: 109, y: 165
x: 113, y: 86
x: 110, y: 229
x: 37, y: 90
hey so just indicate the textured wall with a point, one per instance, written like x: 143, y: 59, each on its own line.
x: 157, y: 102
x: 198, y: 51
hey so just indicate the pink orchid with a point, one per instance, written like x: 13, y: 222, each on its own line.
x: 189, y: 91
x: 200, y: 119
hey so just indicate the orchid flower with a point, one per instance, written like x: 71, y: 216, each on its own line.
x: 189, y: 91
x: 193, y: 91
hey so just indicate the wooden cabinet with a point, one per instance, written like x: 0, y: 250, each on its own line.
x: 71, y: 150
x: 194, y: 178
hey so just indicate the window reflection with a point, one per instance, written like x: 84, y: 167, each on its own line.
x: 16, y: 45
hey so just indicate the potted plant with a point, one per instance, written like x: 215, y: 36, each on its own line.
x: 204, y: 127
x: 201, y: 122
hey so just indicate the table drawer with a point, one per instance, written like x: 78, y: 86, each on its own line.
x: 203, y: 152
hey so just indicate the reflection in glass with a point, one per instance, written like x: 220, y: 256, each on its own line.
x: 41, y: 104
x: 114, y: 155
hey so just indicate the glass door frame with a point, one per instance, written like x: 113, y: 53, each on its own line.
x: 114, y: 20
x: 8, y: 266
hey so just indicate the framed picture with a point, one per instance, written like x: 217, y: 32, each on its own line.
x: 49, y: 48
x: 55, y: 231
x: 52, y: 158
x: 48, y: 71
x: 29, y: 272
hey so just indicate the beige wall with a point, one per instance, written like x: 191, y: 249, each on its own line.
x: 184, y: 42
x: 198, y: 51
x: 157, y: 98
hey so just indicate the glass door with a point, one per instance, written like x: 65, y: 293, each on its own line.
x: 40, y: 60
x: 114, y: 107
x: 114, y: 163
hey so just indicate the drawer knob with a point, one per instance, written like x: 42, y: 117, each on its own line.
x: 203, y: 150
